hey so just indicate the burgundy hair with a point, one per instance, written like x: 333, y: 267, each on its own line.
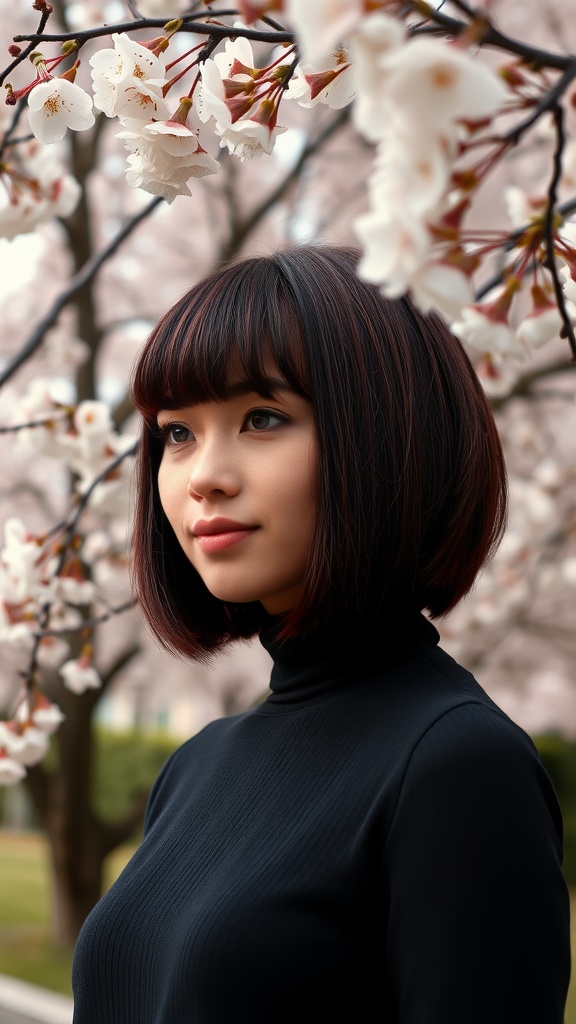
x: 412, y: 485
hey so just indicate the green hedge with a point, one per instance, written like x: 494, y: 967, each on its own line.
x: 125, y: 767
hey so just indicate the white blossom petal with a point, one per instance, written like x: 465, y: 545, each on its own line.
x: 57, y: 105
x: 79, y: 677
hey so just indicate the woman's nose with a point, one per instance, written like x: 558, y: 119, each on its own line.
x: 214, y: 471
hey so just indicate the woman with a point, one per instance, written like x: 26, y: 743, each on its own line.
x: 376, y: 840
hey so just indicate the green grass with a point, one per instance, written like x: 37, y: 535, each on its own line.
x: 25, y: 948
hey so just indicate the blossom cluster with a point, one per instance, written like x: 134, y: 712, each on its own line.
x: 36, y: 186
x: 24, y: 741
x: 427, y: 104
x: 48, y: 582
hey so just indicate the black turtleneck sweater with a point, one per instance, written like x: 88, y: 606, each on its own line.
x: 376, y: 841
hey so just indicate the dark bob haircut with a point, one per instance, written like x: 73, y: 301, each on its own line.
x: 411, y: 479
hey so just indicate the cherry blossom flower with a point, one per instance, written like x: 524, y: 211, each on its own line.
x: 476, y: 328
x: 20, y: 559
x: 128, y: 80
x: 79, y: 675
x: 411, y: 171
x: 37, y: 405
x: 166, y: 154
x: 521, y: 207
x: 74, y: 591
x: 442, y: 287
x: 437, y: 84
x: 11, y: 771
x: 539, y: 327
x: 44, y: 714
x: 35, y: 188
x: 322, y: 26
x: 25, y: 743
x: 249, y: 137
x: 56, y: 105
x: 52, y: 651
x: 544, y: 321
x: 19, y: 636
x: 235, y: 61
x: 395, y: 246
x: 245, y: 137
x: 331, y: 82
x: 212, y: 96
x: 97, y: 544
x: 93, y: 422
x: 375, y: 38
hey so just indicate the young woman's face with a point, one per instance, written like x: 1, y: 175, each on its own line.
x: 237, y: 483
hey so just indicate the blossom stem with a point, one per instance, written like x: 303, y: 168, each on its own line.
x: 183, y: 57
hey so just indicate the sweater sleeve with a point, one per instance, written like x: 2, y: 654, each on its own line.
x: 479, y: 911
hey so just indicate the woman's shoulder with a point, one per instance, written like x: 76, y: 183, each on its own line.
x: 462, y: 744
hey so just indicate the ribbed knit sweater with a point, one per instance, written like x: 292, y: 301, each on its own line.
x: 376, y: 841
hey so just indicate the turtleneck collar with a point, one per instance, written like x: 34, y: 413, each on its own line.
x: 345, y: 650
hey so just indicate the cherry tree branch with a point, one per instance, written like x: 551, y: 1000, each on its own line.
x: 189, y: 24
x: 86, y: 274
x: 568, y: 329
x: 96, y: 620
x: 564, y: 209
x: 491, y: 36
x: 547, y: 103
x: 29, y: 49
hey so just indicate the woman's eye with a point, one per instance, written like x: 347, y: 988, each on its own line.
x: 263, y: 419
x: 175, y: 433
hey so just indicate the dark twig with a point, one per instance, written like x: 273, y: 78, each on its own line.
x: 189, y: 24
x: 568, y: 329
x: 548, y: 102
x: 97, y: 620
x: 24, y: 54
x: 491, y: 36
x: 565, y: 209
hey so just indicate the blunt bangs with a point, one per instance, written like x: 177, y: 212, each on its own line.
x: 237, y: 321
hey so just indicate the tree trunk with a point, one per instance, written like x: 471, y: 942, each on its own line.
x: 76, y: 881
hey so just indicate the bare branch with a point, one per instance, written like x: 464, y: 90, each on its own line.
x: 189, y: 24
x: 25, y: 53
x: 123, y: 659
x: 568, y: 329
x: 86, y: 274
x: 525, y: 384
x: 491, y: 36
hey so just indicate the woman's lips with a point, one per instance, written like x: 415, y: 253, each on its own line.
x: 211, y: 542
x: 219, y: 532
